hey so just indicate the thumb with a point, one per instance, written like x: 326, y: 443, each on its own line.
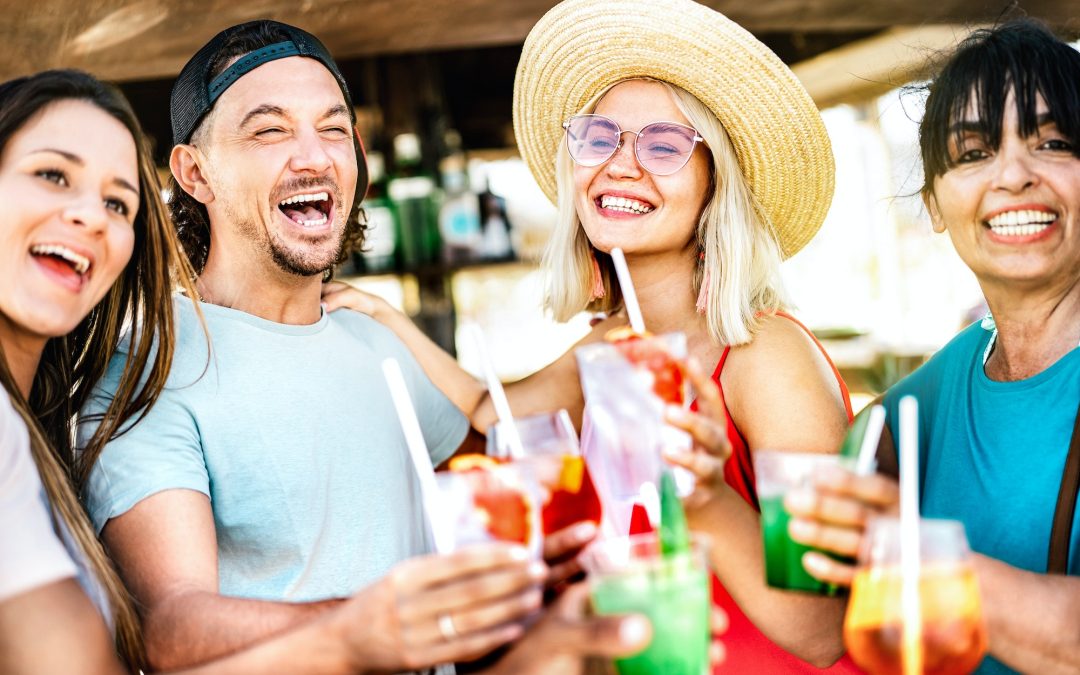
x: 602, y: 636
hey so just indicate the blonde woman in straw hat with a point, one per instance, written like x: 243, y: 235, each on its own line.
x: 663, y: 128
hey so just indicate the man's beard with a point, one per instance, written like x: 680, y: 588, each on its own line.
x: 303, y: 262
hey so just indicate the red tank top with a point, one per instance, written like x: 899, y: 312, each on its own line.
x: 748, y: 650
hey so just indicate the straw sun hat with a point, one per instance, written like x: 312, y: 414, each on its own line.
x: 582, y: 46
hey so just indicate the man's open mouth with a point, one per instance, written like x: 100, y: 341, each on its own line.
x: 311, y: 209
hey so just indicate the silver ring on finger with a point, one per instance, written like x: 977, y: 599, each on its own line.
x: 447, y: 628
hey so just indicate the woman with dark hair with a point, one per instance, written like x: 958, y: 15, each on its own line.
x: 56, y: 338
x: 998, y: 405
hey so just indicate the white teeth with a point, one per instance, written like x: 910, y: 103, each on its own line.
x: 313, y: 197
x: 1016, y: 223
x: 624, y: 204
x: 314, y: 222
x: 80, y: 263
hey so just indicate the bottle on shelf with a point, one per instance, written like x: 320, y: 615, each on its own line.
x: 496, y: 229
x: 380, y: 241
x: 415, y: 197
x: 459, y: 215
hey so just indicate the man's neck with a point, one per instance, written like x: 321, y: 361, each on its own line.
x: 1035, y: 329
x: 260, y: 288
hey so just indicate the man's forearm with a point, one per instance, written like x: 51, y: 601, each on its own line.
x: 196, y: 627
x: 1033, y: 619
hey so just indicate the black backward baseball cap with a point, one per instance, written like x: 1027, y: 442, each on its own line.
x: 194, y: 93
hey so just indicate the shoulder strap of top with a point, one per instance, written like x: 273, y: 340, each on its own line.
x: 720, y: 364
x: 1065, y: 512
x: 836, y: 372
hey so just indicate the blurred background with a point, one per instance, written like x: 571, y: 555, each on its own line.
x: 459, y: 224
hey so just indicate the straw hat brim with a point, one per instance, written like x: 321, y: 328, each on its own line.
x: 582, y: 46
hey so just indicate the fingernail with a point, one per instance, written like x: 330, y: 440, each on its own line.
x: 676, y: 414
x: 814, y: 562
x: 633, y: 629
x: 519, y: 553
x: 538, y: 569
x: 799, y: 500
x: 799, y: 529
x: 584, y: 531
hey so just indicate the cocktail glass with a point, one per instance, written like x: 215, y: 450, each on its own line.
x: 953, y: 637
x: 554, y: 457
x: 627, y: 385
x: 776, y: 473
x: 631, y: 575
x: 489, y: 503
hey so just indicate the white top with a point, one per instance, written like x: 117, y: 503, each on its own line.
x: 31, y: 553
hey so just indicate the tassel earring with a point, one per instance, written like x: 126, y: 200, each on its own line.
x: 703, y: 295
x: 598, y: 290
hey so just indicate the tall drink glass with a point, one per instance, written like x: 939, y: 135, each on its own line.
x: 953, y: 631
x: 777, y: 473
x: 631, y: 575
x: 627, y: 385
x: 554, y: 457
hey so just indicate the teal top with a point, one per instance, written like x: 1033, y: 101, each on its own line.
x: 991, y: 454
x: 291, y: 433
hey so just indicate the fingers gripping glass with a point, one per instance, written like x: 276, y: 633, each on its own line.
x: 662, y: 148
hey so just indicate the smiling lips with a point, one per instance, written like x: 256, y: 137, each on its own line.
x: 67, y: 266
x: 1021, y: 223
x: 308, y: 210
x: 624, y: 205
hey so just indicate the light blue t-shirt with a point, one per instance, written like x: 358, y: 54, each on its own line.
x: 992, y: 453
x: 291, y: 432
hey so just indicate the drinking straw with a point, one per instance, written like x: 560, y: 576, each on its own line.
x: 414, y: 439
x: 674, y: 533
x: 864, y: 462
x: 626, y: 284
x: 911, y: 652
x: 497, y: 393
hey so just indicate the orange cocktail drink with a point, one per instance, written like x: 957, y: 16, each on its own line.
x: 952, y: 631
x: 553, y: 459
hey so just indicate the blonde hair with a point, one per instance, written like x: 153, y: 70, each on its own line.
x: 741, y: 253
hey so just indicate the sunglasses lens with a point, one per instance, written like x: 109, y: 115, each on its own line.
x: 663, y: 148
x: 590, y: 139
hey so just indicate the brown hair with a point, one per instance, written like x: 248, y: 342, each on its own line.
x: 140, y: 298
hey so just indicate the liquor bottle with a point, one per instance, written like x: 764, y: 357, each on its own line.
x: 496, y: 237
x: 380, y: 240
x: 459, y: 216
x: 414, y: 195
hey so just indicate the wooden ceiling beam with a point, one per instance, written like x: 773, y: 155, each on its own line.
x: 865, y: 69
x: 147, y: 39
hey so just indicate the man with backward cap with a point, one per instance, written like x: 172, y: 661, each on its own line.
x: 271, y: 478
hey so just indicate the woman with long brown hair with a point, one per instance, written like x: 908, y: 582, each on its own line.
x: 51, y: 358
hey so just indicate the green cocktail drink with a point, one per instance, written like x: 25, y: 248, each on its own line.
x: 672, y: 591
x: 783, y: 557
x: 776, y: 473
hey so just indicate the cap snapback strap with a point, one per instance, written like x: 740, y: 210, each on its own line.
x: 249, y: 62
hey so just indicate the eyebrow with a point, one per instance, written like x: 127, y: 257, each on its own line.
x: 977, y: 127
x: 264, y: 109
x: 75, y: 159
x: 270, y: 109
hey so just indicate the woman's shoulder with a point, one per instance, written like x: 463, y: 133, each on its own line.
x: 781, y: 343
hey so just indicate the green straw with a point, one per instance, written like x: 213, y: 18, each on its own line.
x: 674, y: 534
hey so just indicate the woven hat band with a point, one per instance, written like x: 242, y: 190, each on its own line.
x: 248, y: 63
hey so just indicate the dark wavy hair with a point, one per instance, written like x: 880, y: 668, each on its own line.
x: 190, y: 217
x: 139, y: 302
x: 1021, y: 56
